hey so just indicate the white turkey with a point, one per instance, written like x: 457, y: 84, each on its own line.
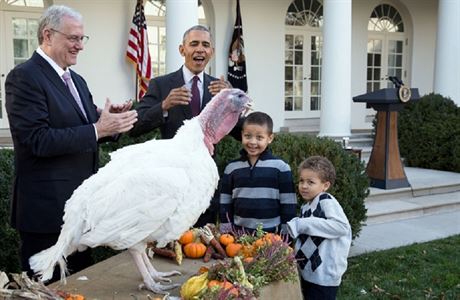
x: 152, y: 191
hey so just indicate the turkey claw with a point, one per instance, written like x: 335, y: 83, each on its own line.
x: 158, y: 288
x: 162, y: 276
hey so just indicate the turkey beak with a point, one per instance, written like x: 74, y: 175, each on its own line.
x: 247, y: 109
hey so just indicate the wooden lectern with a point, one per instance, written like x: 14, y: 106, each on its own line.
x: 384, y: 167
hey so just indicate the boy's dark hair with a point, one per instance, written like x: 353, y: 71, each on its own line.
x: 259, y: 118
x: 320, y: 165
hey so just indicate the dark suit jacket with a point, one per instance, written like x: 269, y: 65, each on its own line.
x: 55, y: 146
x: 150, y: 114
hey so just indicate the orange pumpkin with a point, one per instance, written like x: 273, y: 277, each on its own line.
x: 187, y: 237
x: 271, y: 237
x: 248, y: 250
x: 248, y: 259
x: 233, y: 249
x: 226, y: 239
x: 213, y: 283
x: 194, y: 250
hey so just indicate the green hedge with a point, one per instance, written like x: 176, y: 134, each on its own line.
x: 351, y: 187
x: 429, y: 133
x: 9, y: 245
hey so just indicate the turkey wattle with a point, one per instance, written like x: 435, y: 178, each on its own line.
x: 152, y: 191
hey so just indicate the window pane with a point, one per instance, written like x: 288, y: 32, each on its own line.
x: 369, y: 73
x: 288, y: 73
x: 391, y: 60
x: 377, y: 74
x: 369, y: 59
x: 298, y: 103
x: 399, y: 60
x: 378, y: 46
x: 20, y: 48
x: 298, y: 57
x: 288, y: 89
x: 19, y: 27
x: 315, y: 58
x: 315, y: 73
x: 289, y: 41
x: 299, y: 42
x: 376, y: 86
x: 288, y: 103
x: 298, y: 73
x: 369, y: 87
x: 377, y: 60
x: 314, y: 103
x: 289, y: 57
x: 298, y: 88
x: 391, y: 46
x: 314, y: 88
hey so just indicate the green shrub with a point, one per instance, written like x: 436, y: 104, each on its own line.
x: 351, y: 186
x: 9, y: 246
x: 429, y: 133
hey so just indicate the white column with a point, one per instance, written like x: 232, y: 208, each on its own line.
x: 447, y: 64
x: 180, y: 16
x: 336, y: 69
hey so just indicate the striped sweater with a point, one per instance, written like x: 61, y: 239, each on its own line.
x: 259, y: 194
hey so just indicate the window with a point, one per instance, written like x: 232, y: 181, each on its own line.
x: 24, y: 3
x: 303, y: 58
x: 385, y: 47
x: 301, y: 13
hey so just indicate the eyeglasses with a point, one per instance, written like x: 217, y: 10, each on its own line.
x: 73, y: 38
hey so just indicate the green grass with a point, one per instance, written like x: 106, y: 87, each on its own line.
x: 420, y: 271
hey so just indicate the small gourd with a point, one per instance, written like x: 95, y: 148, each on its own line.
x: 233, y: 249
x: 226, y: 239
x: 187, y: 237
x: 194, y: 250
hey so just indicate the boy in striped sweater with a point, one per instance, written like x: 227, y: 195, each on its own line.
x: 257, y: 188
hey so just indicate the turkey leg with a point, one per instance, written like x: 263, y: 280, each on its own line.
x: 149, y: 282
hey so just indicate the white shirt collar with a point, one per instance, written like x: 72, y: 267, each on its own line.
x: 53, y: 64
x: 188, y: 76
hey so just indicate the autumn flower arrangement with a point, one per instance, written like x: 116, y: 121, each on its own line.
x: 261, y: 258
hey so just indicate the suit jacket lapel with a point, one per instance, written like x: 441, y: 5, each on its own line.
x: 206, y: 94
x: 54, y: 78
x: 177, y: 80
x: 82, y: 92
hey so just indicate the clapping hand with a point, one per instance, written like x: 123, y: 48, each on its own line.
x: 111, y: 123
x: 217, y: 85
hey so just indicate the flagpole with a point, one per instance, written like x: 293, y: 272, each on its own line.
x: 136, y: 95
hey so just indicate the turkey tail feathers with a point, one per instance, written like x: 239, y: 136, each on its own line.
x: 43, y: 263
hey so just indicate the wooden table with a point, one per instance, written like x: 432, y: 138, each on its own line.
x: 117, y: 278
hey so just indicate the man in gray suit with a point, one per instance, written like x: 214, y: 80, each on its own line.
x: 55, y: 128
x: 167, y: 102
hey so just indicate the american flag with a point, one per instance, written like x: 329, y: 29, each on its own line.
x: 138, y: 49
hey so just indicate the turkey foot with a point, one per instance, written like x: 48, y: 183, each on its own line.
x: 159, y: 288
x: 158, y: 276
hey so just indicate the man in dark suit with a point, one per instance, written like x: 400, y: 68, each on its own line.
x: 55, y: 128
x: 167, y: 102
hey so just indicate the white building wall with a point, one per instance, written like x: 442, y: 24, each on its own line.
x: 102, y: 62
x: 263, y: 29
